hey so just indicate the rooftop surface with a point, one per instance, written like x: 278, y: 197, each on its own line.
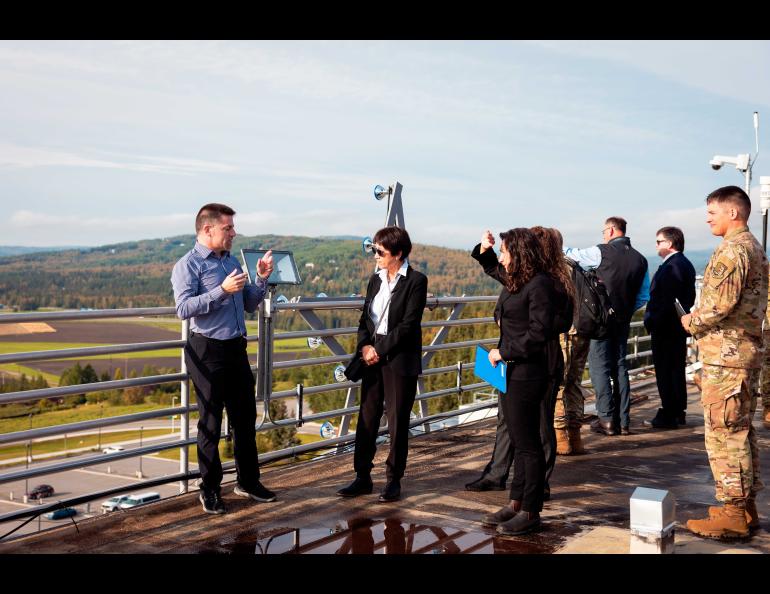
x: 588, y: 512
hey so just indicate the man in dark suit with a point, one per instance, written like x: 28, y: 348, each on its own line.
x: 675, y: 279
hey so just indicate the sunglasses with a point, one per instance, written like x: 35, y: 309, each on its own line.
x: 375, y: 250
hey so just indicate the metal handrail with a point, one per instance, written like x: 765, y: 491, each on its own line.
x: 185, y: 409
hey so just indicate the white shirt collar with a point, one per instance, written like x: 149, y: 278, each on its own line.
x: 667, y: 257
x: 383, y: 272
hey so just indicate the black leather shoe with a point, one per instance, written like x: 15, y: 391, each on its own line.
x: 625, y: 431
x: 661, y: 421
x: 681, y: 418
x: 503, y: 514
x: 521, y: 523
x: 360, y: 486
x: 484, y: 484
x: 603, y: 427
x: 392, y: 492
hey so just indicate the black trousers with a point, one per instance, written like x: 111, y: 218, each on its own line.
x: 669, y: 355
x: 381, y: 386
x: 499, y: 465
x: 523, y: 401
x: 222, y: 378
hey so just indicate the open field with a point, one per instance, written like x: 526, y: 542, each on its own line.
x: 90, y: 333
x: 84, y: 412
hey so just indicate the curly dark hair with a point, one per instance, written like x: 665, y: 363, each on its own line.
x: 553, y: 259
x: 526, y: 259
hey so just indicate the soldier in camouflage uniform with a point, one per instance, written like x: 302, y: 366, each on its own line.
x: 570, y: 400
x: 727, y: 325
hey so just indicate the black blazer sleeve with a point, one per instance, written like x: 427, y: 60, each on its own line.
x: 539, y: 299
x: 489, y: 262
x: 675, y: 279
x: 402, y: 328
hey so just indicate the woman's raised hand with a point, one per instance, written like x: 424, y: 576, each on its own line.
x: 487, y: 240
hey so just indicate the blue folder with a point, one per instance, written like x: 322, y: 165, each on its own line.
x: 484, y: 370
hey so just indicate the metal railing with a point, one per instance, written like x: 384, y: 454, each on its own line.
x: 264, y: 370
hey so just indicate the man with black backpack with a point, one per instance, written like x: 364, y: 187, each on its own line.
x: 591, y: 320
x: 622, y: 271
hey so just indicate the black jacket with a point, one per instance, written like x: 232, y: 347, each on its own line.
x: 527, y: 320
x: 675, y: 278
x: 622, y: 270
x: 401, y: 347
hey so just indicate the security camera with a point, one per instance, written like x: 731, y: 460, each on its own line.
x: 741, y: 162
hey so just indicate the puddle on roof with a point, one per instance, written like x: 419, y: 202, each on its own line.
x: 393, y: 536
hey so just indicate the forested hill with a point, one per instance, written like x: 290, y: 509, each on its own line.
x: 137, y: 273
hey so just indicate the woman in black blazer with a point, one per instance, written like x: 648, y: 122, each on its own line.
x: 526, y: 313
x: 389, y: 355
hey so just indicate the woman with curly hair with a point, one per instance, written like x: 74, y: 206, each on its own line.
x: 526, y: 315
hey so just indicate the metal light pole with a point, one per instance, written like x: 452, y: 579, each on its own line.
x: 101, y: 412
x: 141, y: 431
x: 29, y: 457
x: 743, y: 163
x: 764, y: 201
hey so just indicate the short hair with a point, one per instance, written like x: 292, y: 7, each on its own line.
x: 674, y: 235
x: 618, y: 222
x: 732, y: 195
x: 395, y: 240
x: 210, y: 213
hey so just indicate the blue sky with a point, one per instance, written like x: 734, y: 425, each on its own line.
x: 102, y: 142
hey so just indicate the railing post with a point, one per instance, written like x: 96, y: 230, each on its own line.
x: 426, y: 357
x: 184, y: 424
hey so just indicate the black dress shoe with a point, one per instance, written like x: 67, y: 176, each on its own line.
x: 681, y: 418
x: 484, y: 484
x: 360, y: 486
x: 662, y: 423
x: 392, y: 492
x: 603, y: 427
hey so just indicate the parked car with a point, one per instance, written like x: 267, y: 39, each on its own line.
x: 134, y: 499
x: 112, y: 449
x: 58, y: 514
x: 113, y: 503
x: 40, y: 491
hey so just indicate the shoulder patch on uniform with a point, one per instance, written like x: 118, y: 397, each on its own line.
x: 719, y: 270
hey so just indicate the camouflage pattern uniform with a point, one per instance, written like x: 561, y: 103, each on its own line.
x: 570, y: 400
x: 765, y: 387
x: 727, y: 325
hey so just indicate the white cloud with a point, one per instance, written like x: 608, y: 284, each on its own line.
x: 16, y: 156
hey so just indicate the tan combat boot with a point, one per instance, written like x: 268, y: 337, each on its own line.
x: 730, y: 522
x: 575, y: 441
x: 563, y: 444
x: 752, y: 515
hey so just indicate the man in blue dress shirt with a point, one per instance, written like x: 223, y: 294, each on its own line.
x: 212, y: 291
x: 623, y: 271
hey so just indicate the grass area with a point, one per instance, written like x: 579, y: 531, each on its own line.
x: 80, y: 441
x: 84, y: 412
x: 6, y: 347
x: 13, y: 368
